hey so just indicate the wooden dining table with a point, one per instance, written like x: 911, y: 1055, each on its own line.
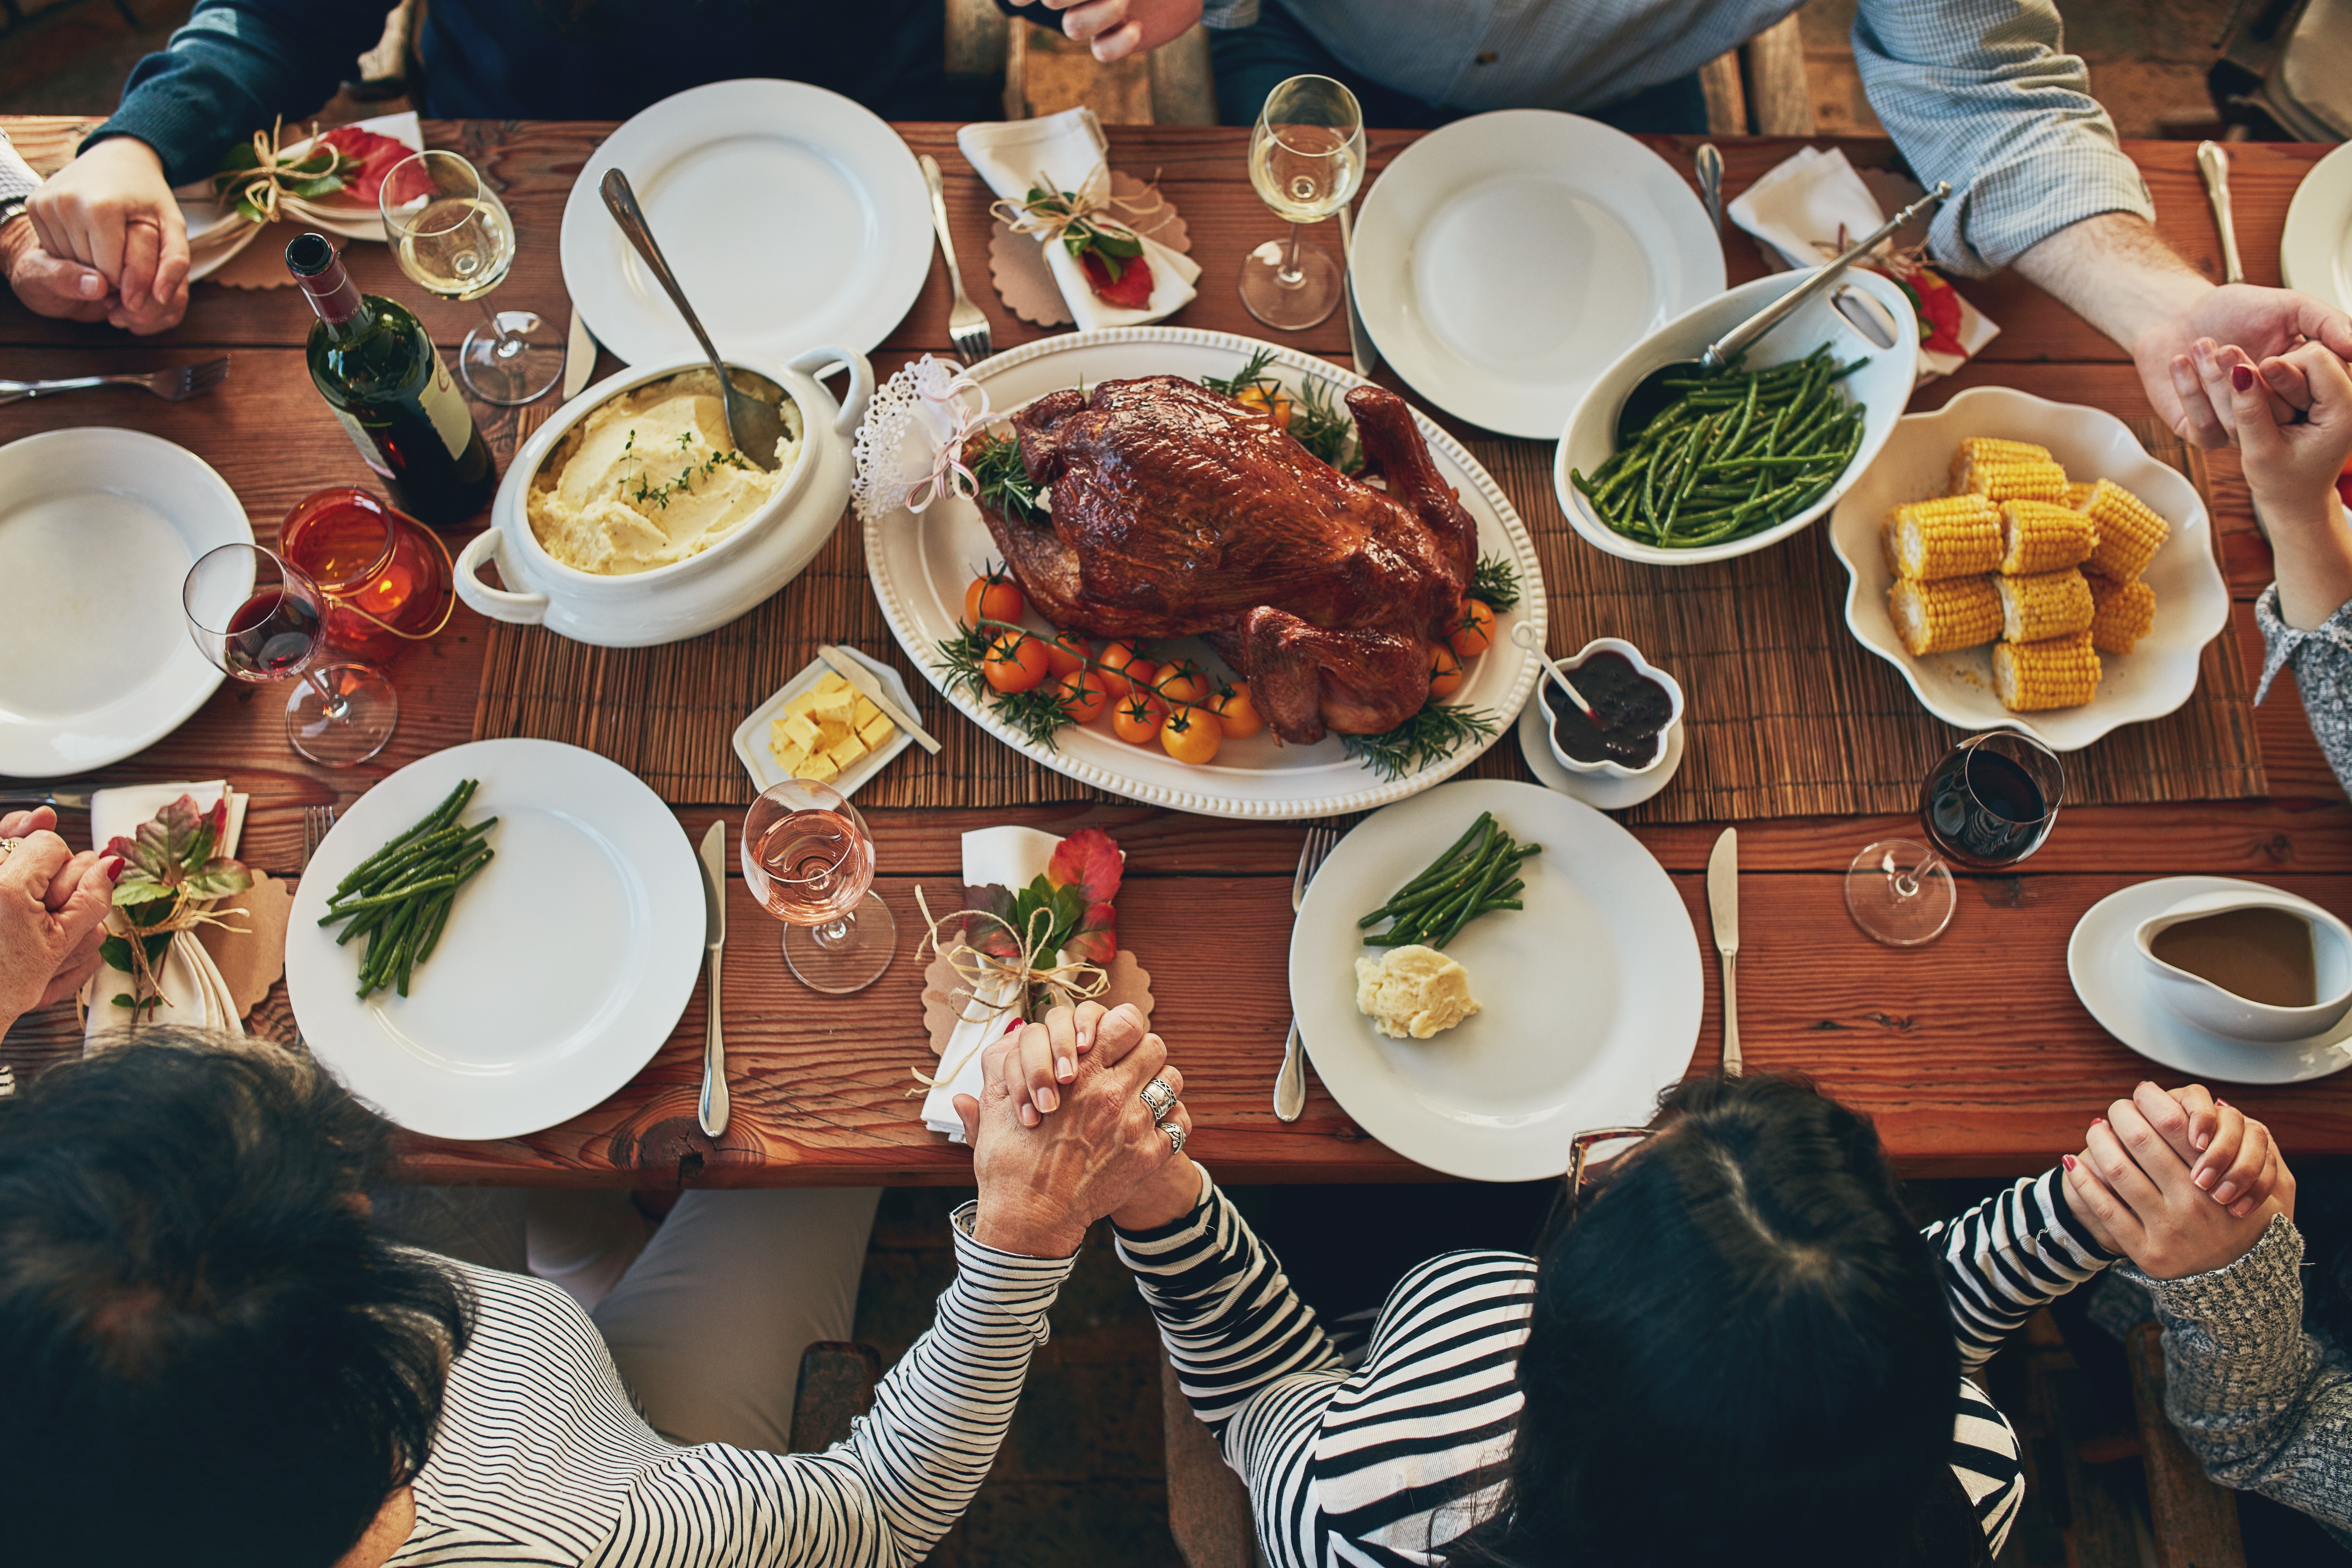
x: 1972, y: 1053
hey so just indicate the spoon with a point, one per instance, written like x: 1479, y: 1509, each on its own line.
x: 1650, y: 394
x: 1709, y: 160
x: 756, y: 423
x: 1522, y: 634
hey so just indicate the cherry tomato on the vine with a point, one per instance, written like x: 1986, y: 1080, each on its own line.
x: 1113, y: 661
x: 1137, y: 718
x: 1083, y: 695
x: 1445, y: 671
x: 1015, y: 662
x: 1069, y: 651
x: 1236, y: 713
x: 1475, y: 633
x: 1182, y: 683
x: 1191, y: 734
x: 992, y: 596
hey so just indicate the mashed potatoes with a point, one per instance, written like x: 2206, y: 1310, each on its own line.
x: 1413, y: 992
x: 653, y: 477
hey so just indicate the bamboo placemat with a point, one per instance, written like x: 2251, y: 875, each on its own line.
x: 1788, y: 715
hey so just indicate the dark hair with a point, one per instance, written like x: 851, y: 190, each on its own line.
x: 1739, y: 1351
x: 213, y: 1356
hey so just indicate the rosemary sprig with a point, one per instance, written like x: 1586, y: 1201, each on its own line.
x: 1252, y: 373
x: 1496, y: 580
x: 1431, y: 735
x: 1037, y: 713
x: 1318, y: 420
x: 1003, y: 481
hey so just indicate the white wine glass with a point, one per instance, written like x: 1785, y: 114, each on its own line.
x: 262, y: 619
x: 452, y: 235
x: 1306, y: 159
x: 809, y: 860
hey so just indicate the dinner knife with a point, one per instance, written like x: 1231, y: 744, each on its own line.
x: 862, y: 679
x: 1360, y: 342
x: 71, y: 796
x: 579, y: 356
x: 1723, y: 904
x: 2213, y: 163
x: 713, y: 855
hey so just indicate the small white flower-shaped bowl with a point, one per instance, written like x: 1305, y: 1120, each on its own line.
x: 1550, y: 696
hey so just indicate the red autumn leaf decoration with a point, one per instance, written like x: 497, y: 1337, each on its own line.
x: 1131, y: 289
x: 1090, y: 862
x: 372, y: 157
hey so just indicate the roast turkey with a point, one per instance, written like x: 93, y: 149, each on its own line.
x: 1176, y: 510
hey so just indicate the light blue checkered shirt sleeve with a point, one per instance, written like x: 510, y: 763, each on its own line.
x: 1978, y: 93
x: 17, y: 176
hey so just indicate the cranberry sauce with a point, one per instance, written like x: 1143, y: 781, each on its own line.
x: 1632, y: 708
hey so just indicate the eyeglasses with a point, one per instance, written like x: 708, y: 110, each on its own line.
x: 1580, y: 1155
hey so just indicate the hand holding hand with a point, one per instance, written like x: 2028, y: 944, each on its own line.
x: 2290, y: 467
x: 1044, y: 1057
x: 53, y: 907
x: 1041, y: 1187
x: 2188, y: 383
x: 112, y: 210
x: 1119, y: 27
x: 2143, y: 1198
x: 66, y: 291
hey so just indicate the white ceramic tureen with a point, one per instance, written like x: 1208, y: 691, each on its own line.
x: 689, y: 598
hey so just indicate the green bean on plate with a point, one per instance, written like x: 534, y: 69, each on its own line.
x: 1738, y: 452
x: 400, y: 897
x: 1477, y: 875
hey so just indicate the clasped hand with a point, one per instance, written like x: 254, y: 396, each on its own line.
x: 53, y: 905
x: 2180, y: 1182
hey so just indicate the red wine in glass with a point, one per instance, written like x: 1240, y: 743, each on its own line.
x: 270, y: 636
x: 1987, y: 804
x: 1983, y: 810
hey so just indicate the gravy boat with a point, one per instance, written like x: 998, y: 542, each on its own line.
x: 2202, y: 1005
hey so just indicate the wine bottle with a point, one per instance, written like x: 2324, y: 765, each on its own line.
x: 373, y: 364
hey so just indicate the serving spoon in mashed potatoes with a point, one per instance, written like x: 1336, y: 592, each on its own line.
x: 756, y: 425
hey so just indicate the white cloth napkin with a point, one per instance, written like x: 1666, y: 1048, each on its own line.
x: 1798, y: 209
x: 1068, y: 149
x: 1014, y: 857
x: 194, y: 995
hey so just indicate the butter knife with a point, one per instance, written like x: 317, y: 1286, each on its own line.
x: 862, y: 679
x: 713, y: 855
x: 1723, y: 906
x: 579, y: 357
x: 1360, y: 342
x: 2213, y: 163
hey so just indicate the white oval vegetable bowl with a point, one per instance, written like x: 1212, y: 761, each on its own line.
x: 689, y: 598
x: 1882, y: 386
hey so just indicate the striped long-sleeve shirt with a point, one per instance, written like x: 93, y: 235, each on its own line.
x: 1381, y: 1460
x: 543, y: 1459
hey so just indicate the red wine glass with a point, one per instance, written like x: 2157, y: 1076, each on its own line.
x: 262, y: 620
x: 808, y: 857
x: 1987, y: 804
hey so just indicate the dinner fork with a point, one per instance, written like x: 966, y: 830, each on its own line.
x: 1290, y: 1083
x: 967, y: 322
x: 176, y: 384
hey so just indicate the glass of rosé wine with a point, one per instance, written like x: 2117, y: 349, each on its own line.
x: 808, y: 857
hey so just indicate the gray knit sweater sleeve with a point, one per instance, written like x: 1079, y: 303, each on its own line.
x: 2321, y: 660
x: 2266, y: 1406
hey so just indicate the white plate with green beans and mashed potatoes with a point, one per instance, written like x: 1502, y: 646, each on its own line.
x: 1588, y: 994
x: 562, y: 965
x: 1728, y: 474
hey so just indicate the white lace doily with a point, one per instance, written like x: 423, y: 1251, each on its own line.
x: 908, y: 451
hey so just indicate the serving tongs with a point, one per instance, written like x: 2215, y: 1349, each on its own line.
x: 1650, y: 394
x: 756, y: 425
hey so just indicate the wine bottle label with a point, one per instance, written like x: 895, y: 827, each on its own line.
x: 445, y: 406
x: 362, y: 440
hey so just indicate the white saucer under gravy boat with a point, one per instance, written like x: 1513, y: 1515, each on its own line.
x: 2203, y: 1004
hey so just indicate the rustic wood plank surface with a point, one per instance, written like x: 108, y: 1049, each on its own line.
x: 1972, y: 1054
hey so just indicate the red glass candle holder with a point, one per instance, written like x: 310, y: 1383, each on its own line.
x: 385, y: 576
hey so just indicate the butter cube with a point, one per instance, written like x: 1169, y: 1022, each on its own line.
x: 831, y: 681
x: 817, y: 769
x: 848, y: 751
x: 791, y: 758
x: 864, y: 713
x: 876, y: 732
x: 837, y: 704
x: 799, y: 730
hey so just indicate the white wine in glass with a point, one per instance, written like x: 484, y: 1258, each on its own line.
x: 1305, y: 160
x: 452, y: 235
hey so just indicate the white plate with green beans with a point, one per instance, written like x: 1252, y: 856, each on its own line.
x: 1590, y: 991
x: 1750, y: 454
x: 559, y: 943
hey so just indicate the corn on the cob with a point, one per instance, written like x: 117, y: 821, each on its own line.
x: 2045, y: 605
x: 2043, y: 536
x: 1937, y: 617
x: 2122, y: 613
x: 1974, y: 449
x: 2129, y: 532
x: 2062, y: 672
x: 1953, y: 536
x: 2008, y: 478
x: 2078, y: 492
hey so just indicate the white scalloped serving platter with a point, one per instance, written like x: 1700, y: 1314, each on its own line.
x: 920, y: 565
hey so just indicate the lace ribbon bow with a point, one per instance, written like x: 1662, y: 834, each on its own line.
x: 926, y: 397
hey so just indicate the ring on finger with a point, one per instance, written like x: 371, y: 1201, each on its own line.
x: 1175, y: 1137
x: 8, y: 846
x: 1157, y: 1098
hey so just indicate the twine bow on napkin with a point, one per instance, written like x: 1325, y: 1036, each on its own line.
x: 1016, y: 986
x: 273, y: 180
x: 1074, y: 219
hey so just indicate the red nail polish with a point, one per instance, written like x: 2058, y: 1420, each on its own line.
x: 2242, y: 378
x: 112, y: 866
x: 2068, y: 1159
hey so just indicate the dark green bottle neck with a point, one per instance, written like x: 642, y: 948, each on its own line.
x: 345, y: 312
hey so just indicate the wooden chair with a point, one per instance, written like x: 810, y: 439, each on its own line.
x: 1208, y: 1506
x: 838, y: 1379
x: 2196, y: 1517
x: 1761, y: 87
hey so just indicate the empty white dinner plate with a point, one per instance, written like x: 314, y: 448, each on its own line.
x: 2315, y: 247
x: 563, y: 967
x: 97, y: 528
x: 2102, y: 959
x: 1504, y: 261
x: 1589, y: 996
x: 792, y: 217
